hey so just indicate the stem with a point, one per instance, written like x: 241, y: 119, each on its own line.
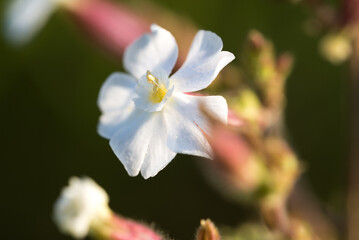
x: 349, y: 12
x: 305, y: 205
x: 353, y: 187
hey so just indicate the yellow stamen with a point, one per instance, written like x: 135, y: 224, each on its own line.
x: 159, y: 90
x: 151, y: 79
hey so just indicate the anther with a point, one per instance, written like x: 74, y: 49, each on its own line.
x: 151, y: 79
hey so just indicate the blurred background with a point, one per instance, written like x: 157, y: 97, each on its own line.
x: 48, y: 94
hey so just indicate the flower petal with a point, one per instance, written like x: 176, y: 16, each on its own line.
x: 115, y: 102
x: 158, y: 154
x: 24, y: 18
x: 142, y: 144
x: 155, y: 50
x: 184, y: 133
x: 214, y: 105
x: 204, y: 61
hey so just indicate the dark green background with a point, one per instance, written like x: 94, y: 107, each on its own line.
x: 48, y: 93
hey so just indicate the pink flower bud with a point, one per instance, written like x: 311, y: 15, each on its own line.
x: 126, y: 229
x: 111, y: 25
x: 233, y: 119
x: 230, y: 148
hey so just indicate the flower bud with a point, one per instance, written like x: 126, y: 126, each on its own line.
x: 260, y: 65
x: 24, y: 18
x: 302, y: 231
x: 112, y: 25
x: 207, y: 231
x: 240, y: 173
x: 266, y: 73
x: 285, y: 64
x: 82, y: 209
x: 127, y: 229
x: 336, y: 47
x: 247, y: 105
x: 284, y: 167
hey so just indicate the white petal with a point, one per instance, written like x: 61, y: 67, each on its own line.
x: 214, y: 105
x: 158, y: 154
x: 184, y: 134
x: 141, y: 144
x: 24, y: 18
x: 155, y: 50
x: 115, y: 102
x: 204, y: 61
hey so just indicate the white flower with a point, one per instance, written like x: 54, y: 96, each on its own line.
x: 147, y: 116
x: 80, y: 205
x: 24, y: 18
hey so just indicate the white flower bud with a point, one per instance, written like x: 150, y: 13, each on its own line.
x: 80, y: 206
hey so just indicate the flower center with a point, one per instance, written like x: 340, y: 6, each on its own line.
x: 158, y: 91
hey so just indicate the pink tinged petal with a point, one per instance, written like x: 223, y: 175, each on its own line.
x: 204, y: 61
x: 184, y: 134
x: 155, y: 50
x: 115, y: 102
x: 24, y: 18
x: 141, y: 144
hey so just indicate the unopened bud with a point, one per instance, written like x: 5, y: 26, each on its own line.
x: 336, y: 47
x: 23, y: 19
x: 264, y: 71
x: 284, y: 167
x: 285, y: 64
x: 82, y: 209
x: 275, y: 216
x: 207, y: 231
x: 247, y: 105
x: 127, y: 229
x: 256, y: 40
x: 302, y: 231
x: 259, y: 67
x: 112, y: 25
x: 240, y: 173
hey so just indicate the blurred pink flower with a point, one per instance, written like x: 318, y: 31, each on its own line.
x: 112, y: 25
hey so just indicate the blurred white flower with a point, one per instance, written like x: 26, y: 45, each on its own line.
x: 147, y: 116
x: 24, y: 18
x: 82, y: 204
